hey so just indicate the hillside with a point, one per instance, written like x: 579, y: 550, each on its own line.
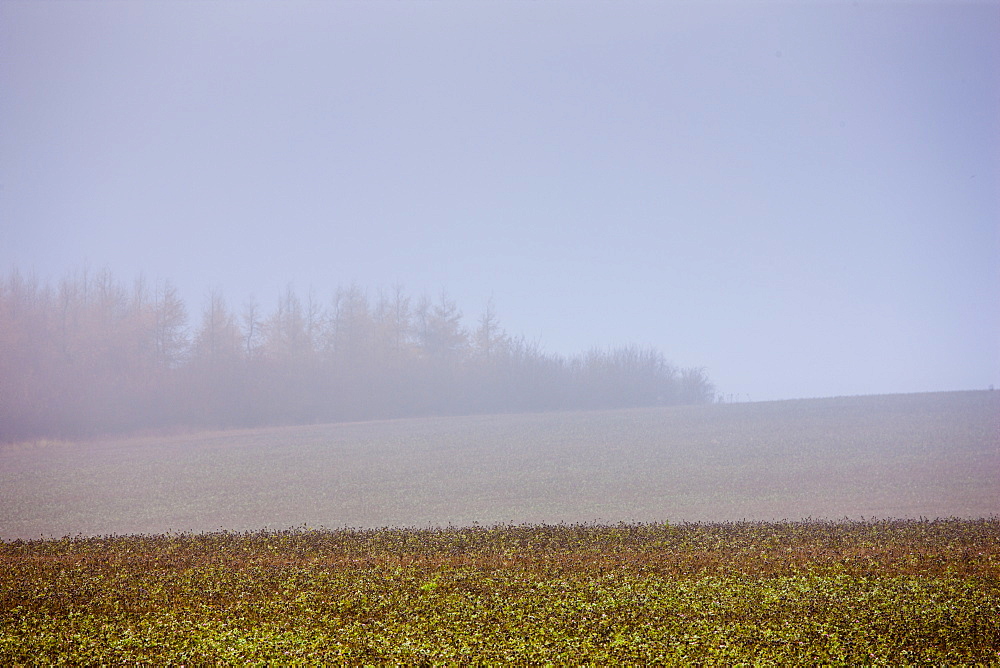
x: 933, y: 455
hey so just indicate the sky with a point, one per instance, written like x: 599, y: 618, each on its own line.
x: 803, y: 198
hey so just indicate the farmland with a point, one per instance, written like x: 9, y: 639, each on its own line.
x: 844, y: 531
x: 899, y: 456
x: 888, y: 593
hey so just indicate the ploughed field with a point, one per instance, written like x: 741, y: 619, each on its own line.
x: 899, y: 456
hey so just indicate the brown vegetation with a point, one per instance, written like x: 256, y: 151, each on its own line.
x: 834, y: 593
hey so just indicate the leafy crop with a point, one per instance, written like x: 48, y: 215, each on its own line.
x: 882, y: 592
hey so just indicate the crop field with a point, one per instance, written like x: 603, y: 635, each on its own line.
x: 888, y: 593
x: 844, y: 531
x: 898, y: 456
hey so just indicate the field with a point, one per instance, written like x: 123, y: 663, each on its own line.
x: 899, y: 456
x: 889, y: 593
x: 669, y: 536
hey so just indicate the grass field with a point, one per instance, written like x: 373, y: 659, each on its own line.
x: 604, y: 537
x: 900, y: 456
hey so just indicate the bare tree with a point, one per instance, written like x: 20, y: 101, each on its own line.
x: 251, y: 329
x: 169, y: 327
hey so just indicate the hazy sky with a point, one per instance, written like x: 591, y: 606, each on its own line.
x: 803, y: 198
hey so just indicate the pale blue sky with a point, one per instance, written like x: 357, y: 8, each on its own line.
x: 803, y: 198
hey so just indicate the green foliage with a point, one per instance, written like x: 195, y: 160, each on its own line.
x: 891, y: 592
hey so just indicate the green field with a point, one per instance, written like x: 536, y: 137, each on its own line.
x: 899, y: 456
x: 887, y: 593
x: 666, y: 536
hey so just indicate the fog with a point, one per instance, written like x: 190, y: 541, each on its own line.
x: 93, y: 356
x: 802, y: 199
x: 903, y: 456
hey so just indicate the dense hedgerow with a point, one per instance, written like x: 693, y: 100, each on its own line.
x: 885, y: 592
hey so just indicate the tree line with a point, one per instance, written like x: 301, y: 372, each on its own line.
x: 93, y: 355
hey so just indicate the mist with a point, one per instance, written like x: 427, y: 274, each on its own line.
x: 94, y: 356
x: 803, y: 200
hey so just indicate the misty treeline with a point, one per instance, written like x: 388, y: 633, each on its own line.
x: 93, y: 355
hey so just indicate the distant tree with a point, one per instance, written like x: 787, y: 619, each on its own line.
x: 441, y: 334
x: 394, y: 325
x: 624, y: 376
x: 24, y: 370
x: 215, y: 372
x: 695, y: 387
x: 352, y: 328
x: 218, y: 340
x: 251, y: 330
x: 290, y: 360
x: 442, y: 348
x: 169, y: 327
x: 315, y: 320
x: 350, y: 361
x: 394, y: 373
x: 99, y: 356
x: 532, y: 380
x: 489, y: 339
x: 285, y: 335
